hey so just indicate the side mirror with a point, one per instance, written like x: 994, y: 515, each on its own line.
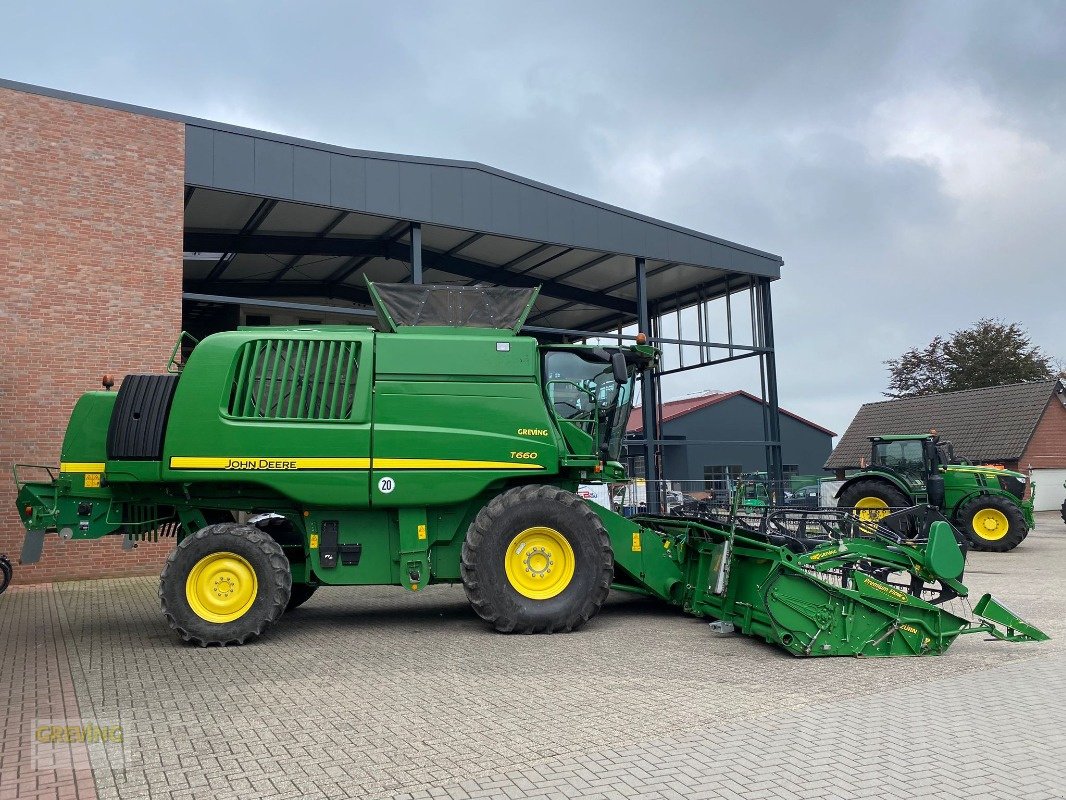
x: 619, y: 367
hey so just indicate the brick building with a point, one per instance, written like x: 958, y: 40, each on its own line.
x: 1021, y: 426
x: 121, y: 226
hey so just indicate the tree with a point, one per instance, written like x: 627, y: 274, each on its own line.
x: 989, y: 353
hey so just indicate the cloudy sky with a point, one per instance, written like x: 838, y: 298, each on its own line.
x: 908, y: 160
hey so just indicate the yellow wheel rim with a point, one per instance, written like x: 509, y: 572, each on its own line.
x: 870, y: 509
x: 539, y: 563
x: 221, y: 587
x: 990, y: 524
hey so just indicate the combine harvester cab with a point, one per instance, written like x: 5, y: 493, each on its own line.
x: 448, y: 448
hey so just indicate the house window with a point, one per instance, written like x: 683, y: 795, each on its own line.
x: 790, y: 469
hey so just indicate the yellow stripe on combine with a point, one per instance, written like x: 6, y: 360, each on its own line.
x: 82, y: 466
x: 282, y: 463
x: 448, y: 463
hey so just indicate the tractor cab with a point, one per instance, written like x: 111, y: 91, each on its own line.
x: 913, y: 458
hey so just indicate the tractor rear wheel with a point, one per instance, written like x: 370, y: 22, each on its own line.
x: 301, y: 593
x: 872, y: 499
x: 1064, y: 510
x: 224, y: 584
x: 992, y: 523
x: 537, y: 559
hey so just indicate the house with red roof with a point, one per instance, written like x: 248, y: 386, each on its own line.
x: 720, y: 434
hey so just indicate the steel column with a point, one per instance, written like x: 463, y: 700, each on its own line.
x: 416, y: 252
x: 648, y: 402
x: 776, y: 467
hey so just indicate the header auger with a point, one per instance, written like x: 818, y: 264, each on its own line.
x: 449, y: 449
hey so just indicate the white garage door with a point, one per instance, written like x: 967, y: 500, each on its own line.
x: 1049, y: 490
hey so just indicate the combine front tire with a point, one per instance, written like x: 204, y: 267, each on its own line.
x: 224, y: 584
x: 992, y: 523
x: 536, y: 560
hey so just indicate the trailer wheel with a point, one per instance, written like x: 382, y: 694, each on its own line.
x: 224, y: 585
x: 992, y: 523
x: 537, y: 559
x: 301, y: 593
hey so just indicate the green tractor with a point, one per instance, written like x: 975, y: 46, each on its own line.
x: 754, y: 490
x: 989, y: 505
x: 449, y: 449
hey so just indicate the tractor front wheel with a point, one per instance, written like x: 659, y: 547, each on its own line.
x: 224, y: 584
x: 992, y: 523
x: 537, y: 559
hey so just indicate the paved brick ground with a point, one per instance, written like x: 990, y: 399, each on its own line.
x: 378, y: 693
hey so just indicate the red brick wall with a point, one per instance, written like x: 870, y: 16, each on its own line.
x: 91, y: 220
x: 1047, y: 448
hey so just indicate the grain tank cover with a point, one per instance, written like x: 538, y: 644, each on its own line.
x: 404, y: 304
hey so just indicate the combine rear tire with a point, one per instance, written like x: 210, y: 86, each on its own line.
x: 224, y: 584
x: 992, y: 523
x: 301, y: 593
x: 537, y: 559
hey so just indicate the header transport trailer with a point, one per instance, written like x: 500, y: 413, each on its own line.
x: 447, y: 448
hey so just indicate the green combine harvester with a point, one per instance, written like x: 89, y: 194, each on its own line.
x: 448, y: 449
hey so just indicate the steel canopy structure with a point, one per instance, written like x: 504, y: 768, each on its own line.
x: 276, y: 221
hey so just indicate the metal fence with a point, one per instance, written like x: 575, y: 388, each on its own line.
x: 689, y: 497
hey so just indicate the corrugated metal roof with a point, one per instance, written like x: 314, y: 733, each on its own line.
x: 679, y: 408
x: 986, y: 425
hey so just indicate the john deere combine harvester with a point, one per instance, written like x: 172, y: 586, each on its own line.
x: 448, y: 449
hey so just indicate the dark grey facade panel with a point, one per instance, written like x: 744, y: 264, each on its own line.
x: 347, y: 182
x: 446, y: 195
x: 273, y: 169
x: 416, y: 192
x: 199, y: 156
x: 311, y: 176
x: 477, y: 198
x: 534, y: 212
x: 233, y: 162
x: 383, y: 187
x: 505, y: 214
x: 560, y: 220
